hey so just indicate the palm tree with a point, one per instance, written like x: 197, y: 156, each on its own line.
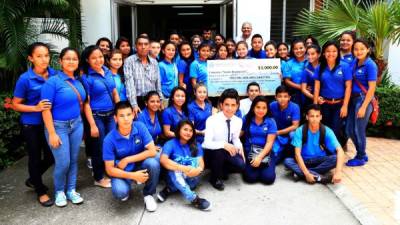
x: 372, y: 21
x: 17, y: 31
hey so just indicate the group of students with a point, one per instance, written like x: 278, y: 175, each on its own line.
x: 148, y: 118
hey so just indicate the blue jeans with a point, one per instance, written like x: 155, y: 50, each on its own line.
x: 105, y: 124
x: 331, y: 118
x: 356, y: 127
x: 66, y: 155
x: 121, y: 187
x: 316, y: 166
x: 179, y: 181
x: 264, y: 174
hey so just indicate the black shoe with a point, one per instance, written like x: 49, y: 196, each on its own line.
x: 29, y: 184
x: 163, y: 195
x: 296, y: 177
x: 326, y: 179
x: 218, y: 184
x: 225, y: 176
x: 47, y: 203
x: 201, y: 203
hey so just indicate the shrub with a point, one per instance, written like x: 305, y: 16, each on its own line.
x: 11, y: 147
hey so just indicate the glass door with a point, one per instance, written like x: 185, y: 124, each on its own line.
x: 227, y: 18
x: 124, y: 22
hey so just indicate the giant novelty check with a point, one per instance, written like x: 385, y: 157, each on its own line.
x: 223, y: 74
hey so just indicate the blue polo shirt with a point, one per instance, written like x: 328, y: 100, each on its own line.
x: 312, y: 149
x: 29, y: 87
x: 258, y: 55
x: 168, y: 77
x: 308, y: 76
x: 198, y: 70
x: 116, y: 147
x: 180, y: 153
x: 257, y: 133
x: 62, y: 96
x: 348, y: 58
x: 333, y: 81
x: 153, y: 128
x: 100, y: 94
x: 284, y: 118
x: 293, y: 69
x: 184, y: 67
x: 199, y: 116
x: 172, y: 117
x: 120, y: 86
x: 368, y: 71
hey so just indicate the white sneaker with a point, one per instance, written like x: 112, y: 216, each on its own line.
x: 150, y: 203
x: 125, y: 199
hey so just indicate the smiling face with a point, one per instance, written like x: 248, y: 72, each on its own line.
x: 229, y: 107
x: 204, y: 53
x: 246, y: 30
x: 222, y: 52
x: 124, y: 118
x: 125, y: 48
x: 116, y: 61
x: 256, y: 44
x: 185, y: 133
x: 69, y: 62
x: 271, y: 51
x: 179, y: 98
x: 40, y: 58
x: 312, y: 55
x: 241, y: 51
x: 331, y: 53
x: 201, y: 93
x: 153, y: 103
x: 299, y: 50
x: 231, y: 47
x: 283, y: 51
x: 360, y: 51
x: 196, y: 42
x: 346, y: 42
x: 253, y: 92
x: 169, y: 51
x: 260, y: 110
x: 174, y: 38
x: 186, y: 51
x: 218, y: 40
x: 96, y: 60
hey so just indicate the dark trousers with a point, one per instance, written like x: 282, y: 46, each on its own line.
x: 331, y: 118
x: 263, y: 174
x: 86, y: 136
x: 317, y: 166
x: 221, y: 163
x: 105, y: 124
x: 39, y: 154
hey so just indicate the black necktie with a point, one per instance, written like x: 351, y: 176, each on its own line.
x: 228, y: 122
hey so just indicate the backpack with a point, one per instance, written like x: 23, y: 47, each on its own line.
x: 322, y: 131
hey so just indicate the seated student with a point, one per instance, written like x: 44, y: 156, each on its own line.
x: 256, y: 50
x: 253, y: 90
x: 129, y: 155
x: 176, y: 111
x: 287, y: 118
x: 151, y: 115
x: 259, y: 131
x: 199, y: 111
x: 223, y: 149
x: 183, y: 158
x: 315, y: 146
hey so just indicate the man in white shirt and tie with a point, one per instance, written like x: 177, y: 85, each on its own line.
x: 223, y: 149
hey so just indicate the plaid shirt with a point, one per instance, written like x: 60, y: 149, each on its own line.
x: 140, y: 79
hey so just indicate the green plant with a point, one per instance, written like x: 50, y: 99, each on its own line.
x: 389, y: 103
x: 11, y: 148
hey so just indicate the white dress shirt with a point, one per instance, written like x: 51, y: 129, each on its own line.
x: 216, y: 132
x: 245, y: 105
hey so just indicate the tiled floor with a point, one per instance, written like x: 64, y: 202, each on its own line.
x: 377, y: 184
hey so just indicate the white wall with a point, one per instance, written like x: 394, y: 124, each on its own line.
x: 258, y: 13
x: 96, y: 20
x: 393, y: 63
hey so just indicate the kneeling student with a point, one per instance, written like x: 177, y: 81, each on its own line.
x: 183, y: 158
x: 129, y: 155
x: 315, y: 146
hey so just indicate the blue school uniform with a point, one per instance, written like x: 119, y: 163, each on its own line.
x: 153, y: 128
x: 62, y: 96
x: 364, y: 73
x: 199, y: 116
x: 180, y: 153
x: 99, y: 88
x: 333, y: 82
x: 184, y: 68
x: 29, y: 87
x: 257, y: 133
x: 312, y: 148
x: 172, y: 117
x: 348, y: 58
x: 120, y: 86
x: 308, y: 76
x: 198, y: 70
x: 284, y: 118
x: 293, y: 69
x: 116, y: 147
x: 258, y: 55
x: 168, y: 77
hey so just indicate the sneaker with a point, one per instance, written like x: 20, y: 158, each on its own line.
x: 356, y: 162
x: 325, y: 179
x: 74, y: 197
x: 218, y: 184
x: 61, y: 199
x: 150, y: 203
x: 365, y: 158
x: 163, y: 195
x: 296, y: 177
x: 125, y: 199
x: 201, y: 203
x: 89, y: 163
x: 104, y: 183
